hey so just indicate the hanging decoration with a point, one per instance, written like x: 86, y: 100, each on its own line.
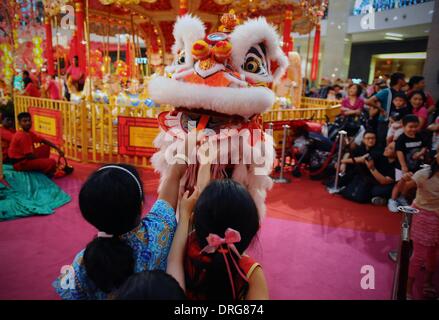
x: 250, y: 5
x: 53, y: 7
x: 37, y: 51
x: 121, y: 69
x: 287, y: 40
x: 95, y: 63
x: 7, y: 61
x: 314, y: 10
x: 315, y: 55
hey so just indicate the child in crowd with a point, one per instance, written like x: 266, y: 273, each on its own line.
x: 410, y: 146
x: 425, y: 227
x: 395, y: 127
x: 417, y: 103
x: 399, y: 110
x: 410, y: 150
x: 112, y: 200
x: 23, y: 154
x: 225, y: 221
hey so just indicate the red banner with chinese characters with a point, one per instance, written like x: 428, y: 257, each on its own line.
x: 136, y: 136
x: 47, y: 123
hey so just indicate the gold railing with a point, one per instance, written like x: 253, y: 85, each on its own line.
x: 319, y: 114
x: 90, y: 130
x: 306, y: 102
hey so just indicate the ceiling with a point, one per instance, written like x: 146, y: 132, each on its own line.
x: 154, y: 21
x: 417, y: 31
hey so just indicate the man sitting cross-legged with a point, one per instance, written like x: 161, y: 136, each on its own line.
x: 24, y: 155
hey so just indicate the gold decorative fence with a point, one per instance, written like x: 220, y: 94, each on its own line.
x: 90, y: 130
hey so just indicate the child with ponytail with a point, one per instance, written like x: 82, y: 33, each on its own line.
x: 210, y: 262
x: 112, y: 200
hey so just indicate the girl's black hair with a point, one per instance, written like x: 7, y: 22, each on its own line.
x: 150, y: 285
x: 111, y: 201
x: 26, y: 81
x: 415, y: 80
x: 224, y: 204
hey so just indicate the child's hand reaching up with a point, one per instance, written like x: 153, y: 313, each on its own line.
x: 176, y: 255
x: 187, y: 203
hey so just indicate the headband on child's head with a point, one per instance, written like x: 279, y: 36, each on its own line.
x: 102, y: 234
x: 127, y: 171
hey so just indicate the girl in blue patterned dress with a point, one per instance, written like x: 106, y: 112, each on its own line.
x: 111, y: 200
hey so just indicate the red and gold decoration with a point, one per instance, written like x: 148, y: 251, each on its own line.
x: 228, y: 22
x: 53, y: 7
x: 6, y: 62
x: 314, y: 10
x: 121, y: 69
x: 95, y: 63
x: 136, y: 136
x: 287, y: 39
x: 315, y: 55
x: 49, y: 47
x: 47, y: 123
x: 183, y: 7
x: 37, y: 51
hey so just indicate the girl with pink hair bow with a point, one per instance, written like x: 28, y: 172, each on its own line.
x: 210, y: 262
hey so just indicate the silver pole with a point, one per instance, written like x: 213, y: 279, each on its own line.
x: 341, y: 136
x: 270, y: 127
x: 399, y: 290
x: 281, y: 178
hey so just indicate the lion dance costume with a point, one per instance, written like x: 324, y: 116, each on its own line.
x: 220, y: 81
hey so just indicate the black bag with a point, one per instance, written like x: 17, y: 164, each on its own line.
x: 358, y: 190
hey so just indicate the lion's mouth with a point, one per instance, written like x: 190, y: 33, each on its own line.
x: 207, y: 119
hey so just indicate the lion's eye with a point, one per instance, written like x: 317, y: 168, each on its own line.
x: 255, y: 63
x: 252, y: 65
x: 181, y: 58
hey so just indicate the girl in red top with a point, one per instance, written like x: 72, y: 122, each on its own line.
x: 225, y: 221
x: 417, y: 103
x: 30, y: 89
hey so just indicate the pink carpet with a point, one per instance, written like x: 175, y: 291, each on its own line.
x: 312, y: 245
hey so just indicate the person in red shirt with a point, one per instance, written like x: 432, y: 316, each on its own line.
x: 25, y: 156
x: 7, y: 132
x: 30, y: 89
x: 51, y: 88
x: 75, y: 75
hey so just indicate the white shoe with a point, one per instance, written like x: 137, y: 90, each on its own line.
x: 402, y: 201
x: 393, y: 205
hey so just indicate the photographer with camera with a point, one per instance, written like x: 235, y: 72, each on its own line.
x: 382, y: 169
x: 358, y: 179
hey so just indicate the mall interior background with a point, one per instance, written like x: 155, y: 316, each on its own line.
x: 397, y: 37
